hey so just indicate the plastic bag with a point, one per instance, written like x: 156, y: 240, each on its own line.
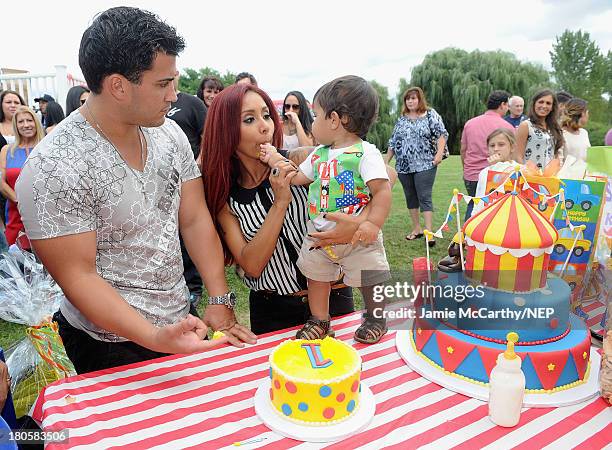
x: 29, y: 296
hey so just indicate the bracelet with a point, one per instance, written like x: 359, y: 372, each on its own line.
x: 294, y: 165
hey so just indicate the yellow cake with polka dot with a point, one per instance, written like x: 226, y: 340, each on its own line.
x: 315, y: 382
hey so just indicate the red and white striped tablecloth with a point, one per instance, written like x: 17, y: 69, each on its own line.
x: 594, y: 312
x: 206, y: 401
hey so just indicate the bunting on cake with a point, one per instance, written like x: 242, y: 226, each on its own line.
x: 549, y: 366
x: 422, y: 335
x: 488, y: 356
x: 452, y: 351
x: 581, y: 357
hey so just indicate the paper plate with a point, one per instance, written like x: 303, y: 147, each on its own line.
x: 329, y: 433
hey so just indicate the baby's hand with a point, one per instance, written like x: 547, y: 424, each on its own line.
x: 268, y: 154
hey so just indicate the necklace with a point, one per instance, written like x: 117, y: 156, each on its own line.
x: 291, y: 130
x: 139, y: 177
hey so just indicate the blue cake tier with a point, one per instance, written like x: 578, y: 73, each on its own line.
x: 547, y: 367
x: 537, y: 316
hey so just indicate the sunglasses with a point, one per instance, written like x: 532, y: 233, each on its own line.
x: 293, y: 107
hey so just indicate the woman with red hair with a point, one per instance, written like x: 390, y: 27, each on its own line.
x: 260, y: 217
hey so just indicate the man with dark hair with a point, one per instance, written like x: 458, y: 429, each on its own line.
x: 245, y: 77
x: 102, y: 202
x: 474, y: 152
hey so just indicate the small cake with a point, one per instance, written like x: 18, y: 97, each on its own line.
x: 315, y: 382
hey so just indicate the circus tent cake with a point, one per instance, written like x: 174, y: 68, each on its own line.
x: 508, y: 245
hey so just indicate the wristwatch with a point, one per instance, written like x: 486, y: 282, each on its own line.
x: 228, y: 300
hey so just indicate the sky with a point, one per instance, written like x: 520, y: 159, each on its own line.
x: 291, y: 45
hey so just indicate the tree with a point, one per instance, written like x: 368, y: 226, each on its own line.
x: 403, y: 85
x: 578, y: 65
x: 191, y: 78
x: 608, y: 89
x: 580, y: 68
x: 380, y: 132
x: 457, y: 83
x: 609, y: 72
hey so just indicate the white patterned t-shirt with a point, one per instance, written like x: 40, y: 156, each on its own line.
x: 74, y: 182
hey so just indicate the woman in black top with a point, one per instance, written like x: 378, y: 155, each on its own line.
x: 261, y: 218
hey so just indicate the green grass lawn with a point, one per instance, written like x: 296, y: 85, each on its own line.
x: 400, y: 252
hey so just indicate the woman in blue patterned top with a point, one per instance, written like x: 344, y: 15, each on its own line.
x: 418, y: 143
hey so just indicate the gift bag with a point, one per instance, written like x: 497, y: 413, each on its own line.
x: 29, y: 296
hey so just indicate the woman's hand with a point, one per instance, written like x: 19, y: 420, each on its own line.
x: 293, y: 117
x: 441, y: 147
x: 366, y: 234
x: 342, y: 233
x: 280, y: 181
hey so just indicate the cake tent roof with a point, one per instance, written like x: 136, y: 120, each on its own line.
x: 511, y: 222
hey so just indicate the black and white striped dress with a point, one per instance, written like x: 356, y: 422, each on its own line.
x: 251, y: 206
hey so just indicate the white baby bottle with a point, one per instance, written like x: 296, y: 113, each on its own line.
x: 507, y: 386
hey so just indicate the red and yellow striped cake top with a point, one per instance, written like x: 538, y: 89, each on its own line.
x: 511, y: 222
